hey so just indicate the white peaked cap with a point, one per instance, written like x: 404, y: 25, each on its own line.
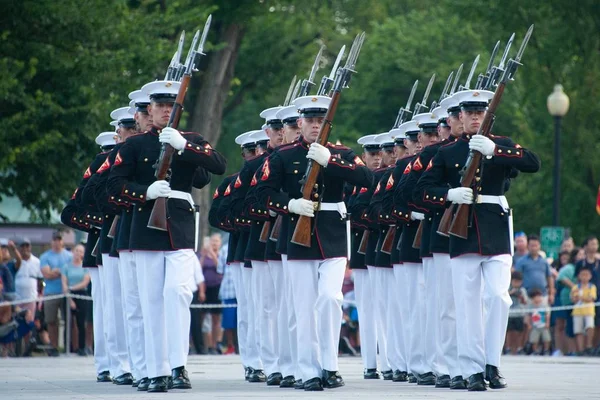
x: 270, y: 113
x: 367, y: 140
x: 383, y: 138
x: 122, y: 113
x: 106, y: 139
x: 259, y: 135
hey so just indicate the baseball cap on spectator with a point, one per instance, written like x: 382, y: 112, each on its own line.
x: 25, y: 242
x: 57, y: 235
x: 3, y: 242
x: 519, y: 234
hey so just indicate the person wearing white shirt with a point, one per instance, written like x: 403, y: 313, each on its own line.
x: 26, y: 278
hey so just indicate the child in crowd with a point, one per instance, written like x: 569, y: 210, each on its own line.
x: 584, y: 295
x: 539, y: 321
x: 518, y: 295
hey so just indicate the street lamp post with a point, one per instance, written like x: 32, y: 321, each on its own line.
x: 558, y: 106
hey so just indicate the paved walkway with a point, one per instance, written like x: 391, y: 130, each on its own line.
x: 220, y: 377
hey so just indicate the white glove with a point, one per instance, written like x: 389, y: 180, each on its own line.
x: 460, y: 195
x: 302, y: 207
x: 482, y: 144
x: 272, y: 213
x: 158, y: 189
x: 417, y: 216
x: 172, y: 137
x: 319, y: 153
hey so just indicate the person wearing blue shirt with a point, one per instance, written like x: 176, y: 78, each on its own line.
x: 536, y: 271
x: 51, y: 263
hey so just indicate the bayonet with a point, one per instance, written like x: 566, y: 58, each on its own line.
x: 492, y: 57
x: 204, y: 35
x: 506, y: 51
x: 327, y: 81
x: 524, y: 44
x: 171, y: 68
x: 308, y: 83
x: 498, y: 72
x: 422, y: 104
x: 446, y: 86
x: 412, y: 95
x: 190, y: 54
x: 336, y: 64
x: 483, y: 78
x: 403, y: 111
x: 456, y: 78
x: 470, y: 76
x: 513, y: 64
x: 286, y: 102
x: 296, y: 91
x: 352, y: 57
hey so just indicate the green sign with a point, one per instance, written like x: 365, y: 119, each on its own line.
x: 552, y: 237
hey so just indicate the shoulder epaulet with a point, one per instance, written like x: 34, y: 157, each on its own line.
x: 288, y: 146
x: 338, y: 146
x: 449, y: 144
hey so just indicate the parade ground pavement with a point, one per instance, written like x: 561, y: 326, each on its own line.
x: 220, y: 377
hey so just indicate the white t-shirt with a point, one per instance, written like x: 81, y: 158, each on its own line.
x: 26, y: 278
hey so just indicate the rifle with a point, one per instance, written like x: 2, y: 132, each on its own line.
x: 303, y: 232
x: 327, y: 81
x: 422, y: 104
x: 388, y: 240
x: 308, y: 83
x: 264, y: 233
x: 483, y: 78
x: 460, y: 224
x: 158, y: 217
x: 417, y: 242
x: 364, y: 241
x: 276, y: 229
x: 112, y: 232
x: 470, y: 76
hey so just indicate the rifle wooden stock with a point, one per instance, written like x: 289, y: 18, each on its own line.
x: 364, y: 241
x: 460, y: 223
x: 112, y: 232
x: 418, y: 236
x: 445, y: 222
x: 276, y: 229
x: 303, y: 231
x: 95, y: 249
x: 264, y: 233
x: 158, y: 217
x: 388, y: 241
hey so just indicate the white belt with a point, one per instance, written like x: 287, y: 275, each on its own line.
x: 502, y: 202
x: 341, y: 209
x: 177, y: 194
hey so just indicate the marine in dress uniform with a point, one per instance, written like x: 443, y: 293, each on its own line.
x: 220, y: 218
x: 75, y: 215
x: 318, y: 270
x: 362, y: 283
x: 412, y: 265
x: 165, y: 260
x: 395, y: 319
x: 486, y: 253
x: 378, y: 262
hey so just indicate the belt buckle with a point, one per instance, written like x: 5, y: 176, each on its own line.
x: 479, y: 199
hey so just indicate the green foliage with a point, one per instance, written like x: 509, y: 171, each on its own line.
x: 65, y: 65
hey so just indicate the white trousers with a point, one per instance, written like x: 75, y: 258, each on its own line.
x: 114, y: 320
x: 284, y: 348
x: 416, y: 315
x: 165, y: 281
x: 134, y: 321
x: 101, y: 361
x: 379, y: 292
x: 288, y: 316
x: 266, y: 315
x: 242, y: 310
x: 318, y: 306
x: 386, y: 298
x: 252, y: 336
x: 480, y: 341
x: 398, y: 319
x: 366, y: 317
x: 433, y: 358
x: 447, y: 315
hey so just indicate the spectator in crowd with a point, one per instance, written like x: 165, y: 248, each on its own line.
x: 516, y: 320
x: 51, y: 263
x: 590, y: 260
x: 75, y: 280
x: 583, y: 295
x: 563, y: 343
x: 538, y: 320
x: 196, y: 313
x: 227, y: 296
x: 14, y: 323
x: 28, y: 274
x: 567, y: 245
x: 536, y: 271
x: 209, y: 260
x: 349, y: 338
x: 9, y: 267
x: 520, y: 247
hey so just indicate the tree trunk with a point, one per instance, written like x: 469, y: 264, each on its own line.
x: 207, y: 110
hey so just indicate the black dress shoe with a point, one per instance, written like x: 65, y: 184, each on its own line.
x: 103, y: 376
x: 169, y: 382
x: 476, y: 383
x: 299, y: 385
x: 332, y: 379
x: 426, y: 379
x: 136, y: 382
x: 247, y: 371
x: 442, y: 381
x: 274, y: 379
x: 371, y: 373
x: 143, y: 385
x: 125, y: 379
x: 257, y: 375
x: 400, y: 376
x: 494, y: 377
x: 387, y: 375
x: 179, y: 377
x: 412, y: 378
x: 158, y: 384
x: 288, y: 382
x: 313, y: 385
x: 458, y: 383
